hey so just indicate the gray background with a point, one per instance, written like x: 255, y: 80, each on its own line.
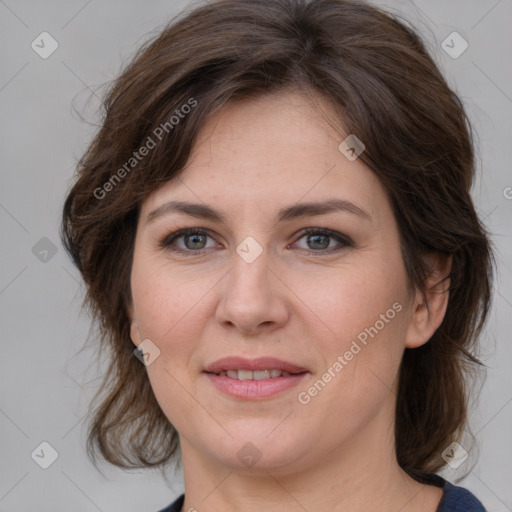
x: 47, y: 380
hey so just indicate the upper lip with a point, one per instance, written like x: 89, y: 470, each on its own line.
x: 260, y: 363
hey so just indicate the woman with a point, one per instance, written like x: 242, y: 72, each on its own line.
x: 276, y: 214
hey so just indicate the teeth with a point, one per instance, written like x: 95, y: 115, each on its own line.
x: 256, y: 375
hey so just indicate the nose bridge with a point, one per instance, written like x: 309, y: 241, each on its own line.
x: 250, y: 295
x: 249, y: 276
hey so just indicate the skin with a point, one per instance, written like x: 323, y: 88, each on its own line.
x: 296, y: 302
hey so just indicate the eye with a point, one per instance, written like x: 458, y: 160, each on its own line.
x: 319, y: 240
x: 194, y: 240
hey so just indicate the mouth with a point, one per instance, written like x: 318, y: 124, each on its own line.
x: 255, y: 375
x: 258, y: 368
x: 254, y: 379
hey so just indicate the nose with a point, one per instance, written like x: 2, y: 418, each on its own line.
x: 254, y: 297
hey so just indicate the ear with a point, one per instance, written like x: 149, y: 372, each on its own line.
x: 134, y: 328
x: 428, y: 310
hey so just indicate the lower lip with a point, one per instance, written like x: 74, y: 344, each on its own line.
x: 255, y: 389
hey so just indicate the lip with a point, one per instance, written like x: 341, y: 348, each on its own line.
x: 260, y: 363
x: 254, y: 389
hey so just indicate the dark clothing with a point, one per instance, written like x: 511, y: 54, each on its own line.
x: 455, y: 499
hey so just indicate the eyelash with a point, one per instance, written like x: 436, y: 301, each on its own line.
x: 168, y: 240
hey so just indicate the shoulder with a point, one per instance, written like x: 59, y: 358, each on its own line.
x: 458, y: 499
x: 175, y: 506
x: 454, y: 499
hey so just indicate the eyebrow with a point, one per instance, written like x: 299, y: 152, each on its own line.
x: 310, y: 209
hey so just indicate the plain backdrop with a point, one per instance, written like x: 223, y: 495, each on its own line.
x: 47, y: 381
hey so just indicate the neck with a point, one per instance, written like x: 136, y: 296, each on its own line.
x: 360, y: 474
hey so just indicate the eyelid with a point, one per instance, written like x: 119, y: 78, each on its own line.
x: 340, y: 237
x: 344, y: 240
x: 166, y: 241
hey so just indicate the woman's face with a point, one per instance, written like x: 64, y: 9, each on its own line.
x: 254, y: 285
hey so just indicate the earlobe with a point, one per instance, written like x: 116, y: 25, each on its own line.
x: 428, y: 310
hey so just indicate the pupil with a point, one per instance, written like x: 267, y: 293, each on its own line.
x: 195, y: 241
x: 326, y: 239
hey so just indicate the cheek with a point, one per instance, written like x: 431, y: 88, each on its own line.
x: 360, y: 314
x: 346, y: 302
x: 170, y: 312
x: 360, y: 362
x: 165, y: 299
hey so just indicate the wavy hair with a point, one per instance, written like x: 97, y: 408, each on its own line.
x: 377, y: 74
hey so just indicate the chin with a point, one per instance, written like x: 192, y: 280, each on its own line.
x: 253, y: 451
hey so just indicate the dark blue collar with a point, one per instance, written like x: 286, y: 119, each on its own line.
x: 455, y: 499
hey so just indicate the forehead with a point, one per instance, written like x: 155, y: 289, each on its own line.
x: 275, y: 149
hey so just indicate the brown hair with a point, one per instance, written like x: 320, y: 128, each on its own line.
x: 387, y: 90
